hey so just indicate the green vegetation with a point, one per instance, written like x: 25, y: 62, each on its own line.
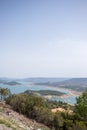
x: 7, y: 123
x: 40, y: 109
x: 4, y: 92
x: 37, y: 108
x: 81, y: 106
x: 45, y: 92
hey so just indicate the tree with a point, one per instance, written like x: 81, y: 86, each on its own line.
x: 1, y: 92
x: 81, y: 106
x: 4, y: 92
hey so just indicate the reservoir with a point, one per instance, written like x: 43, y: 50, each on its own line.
x: 15, y: 89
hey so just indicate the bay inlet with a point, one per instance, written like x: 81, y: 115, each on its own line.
x: 69, y: 96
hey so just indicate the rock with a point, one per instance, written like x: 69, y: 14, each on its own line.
x: 3, y: 127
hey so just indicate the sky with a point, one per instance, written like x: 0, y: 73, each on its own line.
x: 43, y: 38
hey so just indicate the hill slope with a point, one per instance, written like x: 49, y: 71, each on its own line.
x: 78, y: 84
x: 11, y: 120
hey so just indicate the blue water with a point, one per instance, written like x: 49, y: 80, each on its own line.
x: 70, y: 100
x: 26, y: 86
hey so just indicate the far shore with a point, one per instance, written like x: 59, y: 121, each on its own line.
x: 72, y: 92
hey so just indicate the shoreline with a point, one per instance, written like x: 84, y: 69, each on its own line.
x: 71, y: 92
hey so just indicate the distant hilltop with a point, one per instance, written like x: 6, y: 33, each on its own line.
x: 43, y: 79
x: 78, y: 84
x: 12, y: 83
x: 44, y: 92
x: 8, y: 82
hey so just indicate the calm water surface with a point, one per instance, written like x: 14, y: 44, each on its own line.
x: 27, y: 86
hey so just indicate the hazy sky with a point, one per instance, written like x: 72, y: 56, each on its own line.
x: 43, y: 38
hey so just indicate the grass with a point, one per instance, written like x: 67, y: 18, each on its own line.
x: 7, y: 123
x: 10, y: 124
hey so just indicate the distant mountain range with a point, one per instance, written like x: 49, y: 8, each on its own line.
x: 79, y: 84
x: 44, y: 80
x: 34, y: 80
